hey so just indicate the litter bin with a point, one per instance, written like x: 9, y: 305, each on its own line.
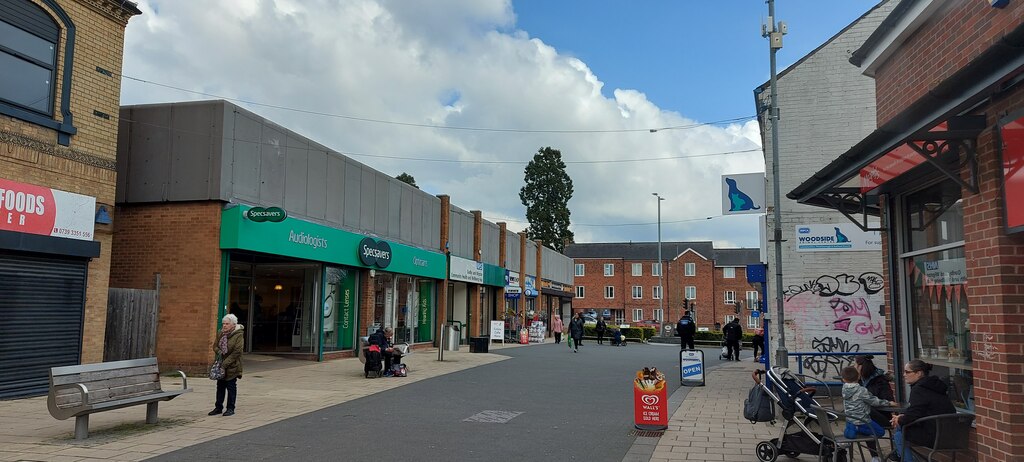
x: 479, y: 344
x: 452, y: 336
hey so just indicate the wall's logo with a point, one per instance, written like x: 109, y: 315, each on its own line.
x: 840, y: 237
x: 375, y: 253
x: 650, y: 400
x: 739, y: 200
x: 271, y: 214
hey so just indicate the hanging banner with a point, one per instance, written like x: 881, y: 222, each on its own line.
x: 650, y: 400
x: 743, y: 194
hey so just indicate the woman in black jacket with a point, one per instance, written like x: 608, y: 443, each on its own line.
x: 927, y: 398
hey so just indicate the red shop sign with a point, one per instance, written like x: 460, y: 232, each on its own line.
x: 650, y: 400
x: 1012, y: 135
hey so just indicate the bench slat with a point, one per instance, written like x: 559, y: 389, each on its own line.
x: 116, y: 382
x: 84, y: 377
x: 74, y: 398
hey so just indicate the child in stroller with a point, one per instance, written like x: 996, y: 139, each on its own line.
x: 796, y: 402
x: 725, y: 351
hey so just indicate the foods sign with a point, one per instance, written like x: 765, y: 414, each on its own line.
x: 650, y: 400
x: 31, y: 209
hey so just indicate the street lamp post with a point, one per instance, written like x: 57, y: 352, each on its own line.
x: 661, y: 270
x: 774, y: 32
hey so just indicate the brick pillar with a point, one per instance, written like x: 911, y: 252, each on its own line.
x: 474, y: 289
x: 367, y: 293
x: 522, y: 274
x: 540, y: 278
x: 442, y: 293
x: 502, y: 260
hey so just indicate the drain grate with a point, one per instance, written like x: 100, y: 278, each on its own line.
x: 647, y: 433
x: 493, y: 416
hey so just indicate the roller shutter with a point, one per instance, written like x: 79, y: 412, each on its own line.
x: 42, y: 302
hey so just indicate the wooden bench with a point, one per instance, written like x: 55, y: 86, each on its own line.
x: 77, y: 391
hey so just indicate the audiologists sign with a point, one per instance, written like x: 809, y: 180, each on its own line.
x: 31, y: 209
x: 650, y: 400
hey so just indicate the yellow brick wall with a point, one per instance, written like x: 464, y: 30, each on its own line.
x: 30, y: 154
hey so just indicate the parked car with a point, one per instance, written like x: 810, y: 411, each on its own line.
x: 647, y: 323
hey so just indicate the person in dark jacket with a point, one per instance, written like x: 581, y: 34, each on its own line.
x: 392, y: 356
x: 878, y: 384
x: 927, y: 398
x: 576, y: 331
x: 758, y: 343
x: 686, y: 329
x: 228, y: 349
x: 600, y: 328
x: 733, y: 333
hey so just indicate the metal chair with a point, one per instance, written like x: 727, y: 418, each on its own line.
x: 951, y: 432
x: 838, y: 441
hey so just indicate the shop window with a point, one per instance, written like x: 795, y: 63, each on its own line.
x: 729, y: 273
x: 730, y: 297
x: 690, y: 269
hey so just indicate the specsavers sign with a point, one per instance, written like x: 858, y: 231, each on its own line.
x: 311, y: 241
x: 31, y: 209
x: 836, y: 237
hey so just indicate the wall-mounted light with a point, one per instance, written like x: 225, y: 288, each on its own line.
x: 278, y: 287
x: 103, y: 215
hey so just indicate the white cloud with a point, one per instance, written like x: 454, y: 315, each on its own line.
x: 457, y: 63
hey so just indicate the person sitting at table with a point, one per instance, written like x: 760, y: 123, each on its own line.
x: 927, y: 398
x: 879, y: 383
x: 383, y: 339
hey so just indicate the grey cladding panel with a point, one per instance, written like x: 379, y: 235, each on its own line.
x: 489, y: 243
x: 405, y: 218
x: 531, y: 258
x: 353, y: 192
x: 417, y: 218
x: 151, y: 150
x: 123, y: 137
x: 192, y: 146
x: 335, y: 189
x: 380, y: 204
x: 512, y: 251
x: 367, y: 202
x: 461, y: 231
x: 395, y: 209
x: 297, y: 173
x: 245, y: 165
x: 316, y: 184
x: 272, y: 166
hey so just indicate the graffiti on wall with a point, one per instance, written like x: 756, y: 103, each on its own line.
x: 835, y: 313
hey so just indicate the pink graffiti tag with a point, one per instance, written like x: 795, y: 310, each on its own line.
x: 855, y: 314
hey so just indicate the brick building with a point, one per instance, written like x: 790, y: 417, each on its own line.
x: 942, y: 170
x: 58, y: 91
x: 620, y: 281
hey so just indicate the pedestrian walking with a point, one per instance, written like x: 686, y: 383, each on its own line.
x: 576, y: 331
x: 228, y: 347
x: 686, y: 329
x: 556, y: 328
x: 733, y: 333
x: 758, y: 343
x: 600, y: 328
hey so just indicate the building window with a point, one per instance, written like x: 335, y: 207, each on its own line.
x: 655, y: 269
x: 580, y: 292
x: 638, y: 314
x: 656, y: 292
x: 609, y: 291
x: 638, y: 269
x: 752, y: 322
x: 579, y: 269
x: 659, y: 314
x: 690, y: 269
x: 729, y: 272
x: 691, y: 292
x: 730, y: 296
x: 609, y: 269
x: 729, y: 318
x: 620, y: 316
x: 752, y: 299
x: 638, y: 292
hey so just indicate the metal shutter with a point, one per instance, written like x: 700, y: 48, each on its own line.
x: 42, y: 301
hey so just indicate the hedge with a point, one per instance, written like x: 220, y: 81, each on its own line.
x: 643, y: 333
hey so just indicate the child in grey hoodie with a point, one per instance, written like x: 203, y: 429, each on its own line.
x: 857, y: 403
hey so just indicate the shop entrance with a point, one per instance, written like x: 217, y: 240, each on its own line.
x: 402, y: 303
x: 277, y: 303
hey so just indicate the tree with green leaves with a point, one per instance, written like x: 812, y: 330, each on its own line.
x: 546, y: 197
x: 407, y: 179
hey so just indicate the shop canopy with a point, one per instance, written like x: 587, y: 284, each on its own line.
x: 934, y: 134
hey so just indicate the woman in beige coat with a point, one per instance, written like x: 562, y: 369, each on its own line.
x: 229, y: 345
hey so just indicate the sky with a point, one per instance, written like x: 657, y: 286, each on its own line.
x: 462, y: 93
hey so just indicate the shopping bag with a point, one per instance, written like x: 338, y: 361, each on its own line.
x: 569, y: 341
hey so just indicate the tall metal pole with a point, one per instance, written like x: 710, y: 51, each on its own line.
x: 661, y: 270
x: 774, y: 44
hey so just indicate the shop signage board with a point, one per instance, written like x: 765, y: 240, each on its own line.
x: 650, y: 400
x: 271, y: 214
x: 498, y: 331
x: 743, y: 194
x: 464, y: 269
x: 1011, y: 136
x: 836, y: 237
x: 374, y: 253
x: 31, y: 209
x: 691, y: 368
x: 424, y: 323
x: 312, y: 241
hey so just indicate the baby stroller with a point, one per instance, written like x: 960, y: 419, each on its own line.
x: 725, y: 351
x: 795, y: 401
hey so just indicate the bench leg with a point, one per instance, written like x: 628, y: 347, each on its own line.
x: 151, y: 412
x: 82, y: 427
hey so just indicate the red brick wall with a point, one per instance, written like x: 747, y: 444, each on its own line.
x: 181, y: 241
x: 647, y: 281
x: 704, y: 281
x: 738, y: 285
x: 594, y: 282
x: 938, y: 50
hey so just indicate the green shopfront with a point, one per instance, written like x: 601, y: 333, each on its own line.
x: 299, y: 287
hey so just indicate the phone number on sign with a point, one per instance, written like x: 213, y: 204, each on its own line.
x: 71, y: 232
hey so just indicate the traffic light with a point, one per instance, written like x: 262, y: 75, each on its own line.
x: 738, y: 306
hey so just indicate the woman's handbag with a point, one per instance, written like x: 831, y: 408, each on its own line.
x: 216, y: 370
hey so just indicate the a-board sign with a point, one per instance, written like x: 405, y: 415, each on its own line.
x: 498, y: 330
x: 650, y: 400
x: 691, y: 368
